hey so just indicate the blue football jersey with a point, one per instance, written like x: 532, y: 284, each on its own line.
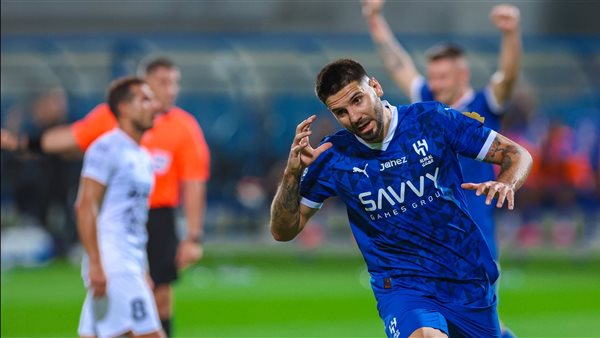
x: 483, y: 103
x: 405, y: 205
x: 480, y: 101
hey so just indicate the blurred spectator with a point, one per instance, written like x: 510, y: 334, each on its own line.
x: 250, y: 202
x: 43, y: 187
x: 523, y: 124
x: 568, y: 179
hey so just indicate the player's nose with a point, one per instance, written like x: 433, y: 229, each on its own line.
x: 355, y: 115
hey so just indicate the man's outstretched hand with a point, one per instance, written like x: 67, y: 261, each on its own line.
x: 492, y: 189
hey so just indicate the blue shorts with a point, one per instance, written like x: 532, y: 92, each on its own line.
x: 404, y: 311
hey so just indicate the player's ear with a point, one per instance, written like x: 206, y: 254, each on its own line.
x: 123, y: 109
x: 376, y: 86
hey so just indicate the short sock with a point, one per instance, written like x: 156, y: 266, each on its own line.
x: 166, y: 325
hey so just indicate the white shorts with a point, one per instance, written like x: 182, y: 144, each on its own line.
x: 127, y: 306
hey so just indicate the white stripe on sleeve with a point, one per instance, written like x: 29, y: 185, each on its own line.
x: 495, y: 107
x: 311, y: 204
x: 486, y: 146
x: 415, y: 89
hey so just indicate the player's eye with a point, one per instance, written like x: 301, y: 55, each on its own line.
x: 339, y: 112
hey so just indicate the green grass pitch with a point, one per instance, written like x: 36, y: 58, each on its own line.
x: 277, y: 292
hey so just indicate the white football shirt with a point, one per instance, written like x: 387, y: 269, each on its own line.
x: 125, y: 168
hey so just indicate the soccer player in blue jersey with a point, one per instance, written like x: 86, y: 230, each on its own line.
x: 397, y: 171
x: 448, y: 82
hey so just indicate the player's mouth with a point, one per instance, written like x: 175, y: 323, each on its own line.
x: 365, y: 127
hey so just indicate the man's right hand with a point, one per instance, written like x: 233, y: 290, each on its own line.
x: 372, y: 7
x: 97, y: 280
x: 302, y: 154
x: 8, y: 140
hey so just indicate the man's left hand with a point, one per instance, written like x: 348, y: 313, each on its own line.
x: 505, y: 17
x: 492, y: 189
x: 188, y: 253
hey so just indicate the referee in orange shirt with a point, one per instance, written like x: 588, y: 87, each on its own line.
x: 181, y: 162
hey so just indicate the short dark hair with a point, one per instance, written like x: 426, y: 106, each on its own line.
x: 337, y: 75
x: 444, y: 51
x: 149, y: 65
x: 120, y: 91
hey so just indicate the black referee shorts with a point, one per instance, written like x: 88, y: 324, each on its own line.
x: 162, y: 245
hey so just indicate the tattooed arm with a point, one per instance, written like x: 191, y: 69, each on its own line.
x: 515, y: 163
x: 288, y: 216
x: 397, y: 61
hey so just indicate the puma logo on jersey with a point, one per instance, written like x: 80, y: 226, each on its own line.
x: 359, y: 170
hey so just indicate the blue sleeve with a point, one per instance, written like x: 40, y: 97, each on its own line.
x: 466, y: 135
x: 316, y: 184
x: 426, y: 93
x: 420, y: 91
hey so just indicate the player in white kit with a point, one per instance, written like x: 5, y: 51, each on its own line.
x: 112, y: 208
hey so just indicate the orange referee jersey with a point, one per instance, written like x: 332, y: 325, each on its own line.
x: 176, y: 142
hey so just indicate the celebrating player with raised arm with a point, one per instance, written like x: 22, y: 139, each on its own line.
x: 397, y: 171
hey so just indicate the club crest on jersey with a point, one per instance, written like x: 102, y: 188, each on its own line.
x: 359, y: 170
x: 421, y: 147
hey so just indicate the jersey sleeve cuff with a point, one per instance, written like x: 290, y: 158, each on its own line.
x: 495, y: 107
x: 94, y: 176
x: 486, y: 146
x: 415, y: 89
x: 311, y: 204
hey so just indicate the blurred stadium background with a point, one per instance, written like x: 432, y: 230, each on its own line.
x: 248, y: 73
